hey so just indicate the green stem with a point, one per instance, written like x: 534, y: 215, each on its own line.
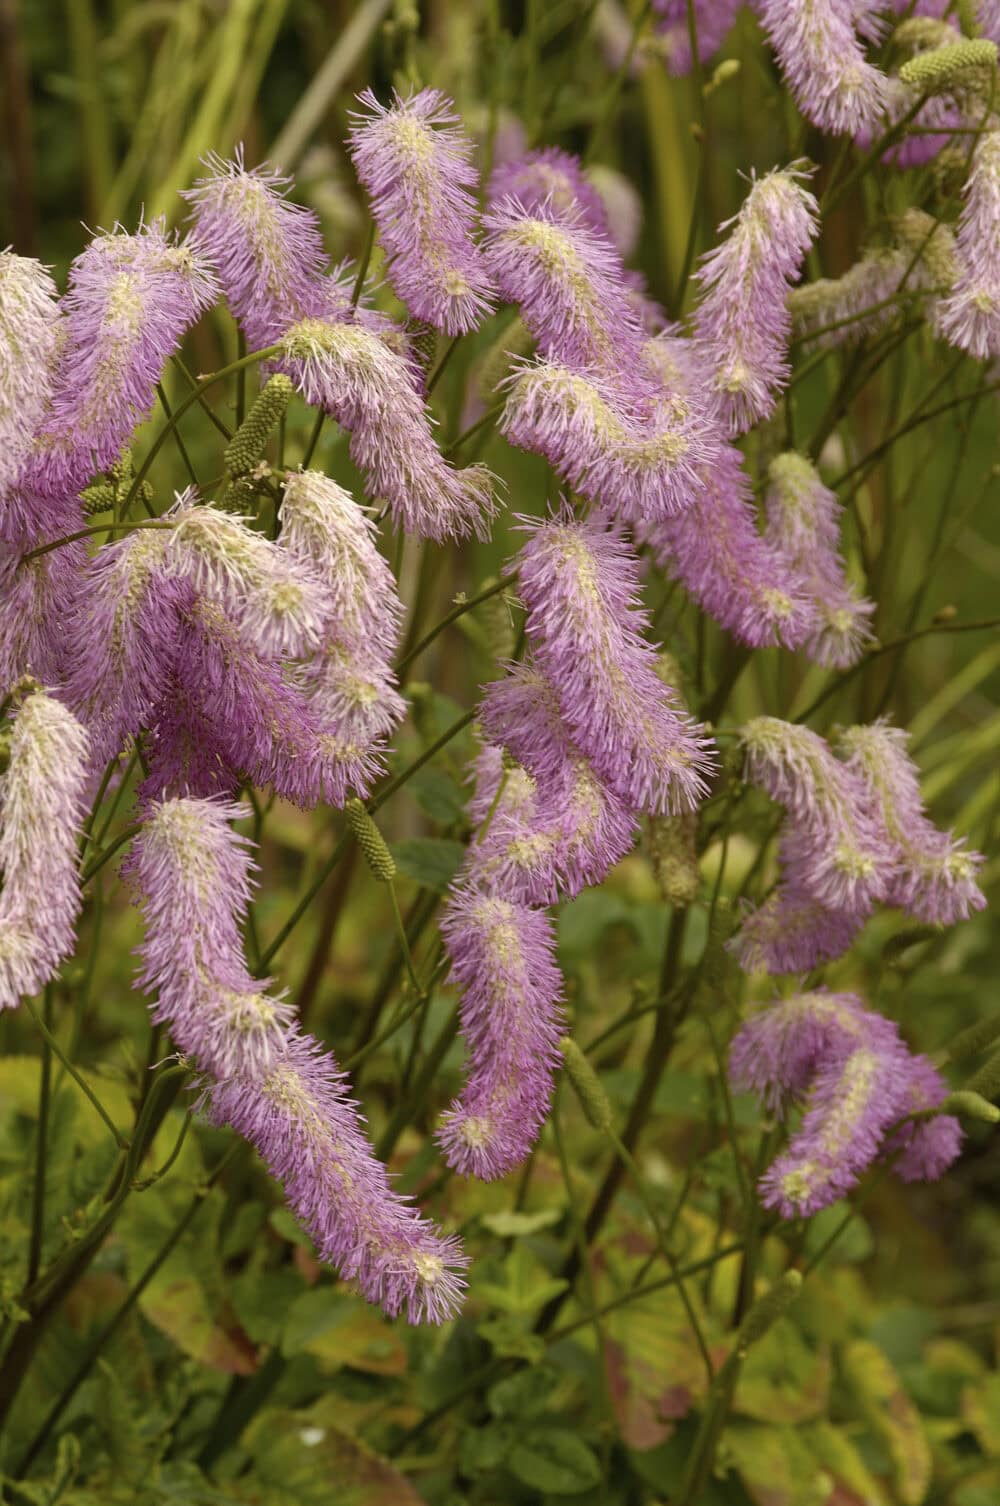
x: 52, y: 1047
x: 41, y: 1140
x: 453, y: 616
x: 178, y: 441
x: 89, y: 532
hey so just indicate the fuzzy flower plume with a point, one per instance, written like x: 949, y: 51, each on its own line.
x: 792, y: 931
x: 352, y: 374
x: 271, y: 1083
x: 415, y: 164
x: 970, y: 315
x: 131, y: 299
x: 823, y: 61
x: 35, y: 594
x: 850, y: 302
x: 742, y: 320
x: 502, y: 957
x: 840, y: 849
x: 193, y: 872
x: 41, y: 808
x: 29, y: 338
x: 554, y: 178
x: 713, y: 21
x: 935, y: 878
x: 803, y: 518
x: 580, y: 583
x: 856, y: 1078
x: 349, y: 680
x: 734, y: 574
x: 267, y: 250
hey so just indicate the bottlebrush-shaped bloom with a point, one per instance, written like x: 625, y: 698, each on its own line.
x: 580, y: 583
x: 310, y: 1134
x: 713, y: 22
x: 41, y: 808
x: 838, y: 848
x: 356, y: 378
x: 415, y: 164
x: 935, y: 878
x: 131, y: 298
x: 637, y: 457
x: 568, y: 281
x: 554, y: 178
x: 29, y: 340
x: 925, y: 1150
x: 970, y: 316
x: 267, y: 251
x: 988, y: 19
x: 121, y: 638
x: 824, y: 63
x: 277, y: 601
x: 803, y: 523
x: 792, y: 932
x: 736, y: 576
x: 193, y: 874
x: 502, y: 957
x: 35, y: 596
x: 742, y: 320
x: 851, y: 302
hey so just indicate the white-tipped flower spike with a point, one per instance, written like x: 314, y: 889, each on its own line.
x: 121, y: 638
x: 29, y: 337
x: 502, y: 957
x: 33, y: 605
x: 841, y: 851
x: 354, y: 376
x: 41, y: 807
x: 277, y: 601
x: 824, y: 62
x: 580, y: 582
x: 935, y: 879
x: 970, y: 316
x: 193, y: 872
x: 131, y: 299
x: 742, y: 320
x: 415, y: 164
x: 803, y: 523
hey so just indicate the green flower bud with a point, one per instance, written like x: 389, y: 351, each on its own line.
x: 587, y: 1085
x: 370, y: 840
x: 768, y: 1309
x: 969, y: 1105
x: 935, y: 71
x: 246, y: 447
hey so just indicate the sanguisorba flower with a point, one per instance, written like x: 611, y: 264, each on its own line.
x: 131, y: 299
x: 969, y: 317
x: 824, y: 62
x: 502, y: 957
x: 935, y: 877
x: 580, y: 582
x: 742, y: 320
x: 41, y: 807
x: 29, y: 339
x: 271, y: 1083
x: 416, y: 165
x: 713, y: 20
x: 803, y: 518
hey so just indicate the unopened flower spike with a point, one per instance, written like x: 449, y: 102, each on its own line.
x: 935, y: 878
x: 803, y: 523
x: 824, y: 63
x: 415, y: 163
x: 742, y: 320
x: 246, y: 448
x: 502, y: 957
x: 42, y: 792
x: 969, y: 317
x: 131, y: 299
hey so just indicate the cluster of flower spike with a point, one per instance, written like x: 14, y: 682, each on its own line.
x: 855, y: 833
x: 263, y: 1076
x: 857, y: 1081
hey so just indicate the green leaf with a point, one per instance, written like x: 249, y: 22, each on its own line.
x: 484, y: 1449
x: 892, y: 1416
x: 783, y: 1379
x: 438, y: 794
x: 981, y: 1412
x: 508, y: 1224
x: 431, y: 861
x: 522, y: 1394
x: 309, y: 1459
x: 555, y: 1461
x: 775, y: 1465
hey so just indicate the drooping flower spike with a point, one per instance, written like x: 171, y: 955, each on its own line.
x: 416, y: 165
x: 803, y: 518
x: 713, y: 21
x: 742, y: 320
x: 131, y: 299
x: 271, y: 1083
x: 969, y: 317
x: 41, y: 808
x: 35, y: 595
x: 580, y: 583
x: 553, y: 177
x: 935, y: 877
x: 824, y: 63
x: 502, y: 957
x: 29, y: 340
